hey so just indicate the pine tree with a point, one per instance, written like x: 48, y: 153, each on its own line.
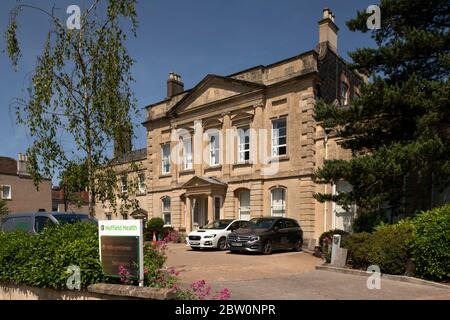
x: 399, y: 128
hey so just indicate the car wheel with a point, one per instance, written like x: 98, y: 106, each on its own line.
x: 298, y: 245
x: 267, y: 248
x: 195, y: 248
x: 222, y: 244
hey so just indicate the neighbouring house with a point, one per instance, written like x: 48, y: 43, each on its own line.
x: 19, y: 190
x: 247, y: 145
x: 74, y: 202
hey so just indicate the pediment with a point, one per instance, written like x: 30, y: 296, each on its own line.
x: 213, y: 89
x: 203, y: 182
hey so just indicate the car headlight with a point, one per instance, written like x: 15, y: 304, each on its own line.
x: 253, y: 239
x: 210, y: 236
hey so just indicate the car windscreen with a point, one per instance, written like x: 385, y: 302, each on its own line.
x: 261, y: 223
x: 219, y: 224
x: 72, y: 218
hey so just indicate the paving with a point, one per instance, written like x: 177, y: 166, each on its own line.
x: 286, y: 276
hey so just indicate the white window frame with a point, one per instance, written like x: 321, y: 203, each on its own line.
x: 3, y: 194
x: 142, y: 183
x: 276, y: 138
x: 165, y: 212
x: 240, y: 207
x: 187, y: 153
x: 124, y: 186
x: 243, y: 147
x: 165, y: 159
x: 214, y: 149
x: 281, y: 207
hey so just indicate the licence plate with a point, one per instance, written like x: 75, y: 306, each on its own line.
x: 236, y: 244
x: 195, y: 243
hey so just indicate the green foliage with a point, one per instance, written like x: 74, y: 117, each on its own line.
x: 155, y: 225
x: 367, y: 221
x: 3, y: 208
x: 398, y: 129
x: 42, y: 260
x: 79, y: 95
x: 387, y: 247
x: 431, y: 244
x: 358, y: 246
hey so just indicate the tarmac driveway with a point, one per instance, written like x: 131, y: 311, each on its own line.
x: 223, y: 266
x: 285, y: 275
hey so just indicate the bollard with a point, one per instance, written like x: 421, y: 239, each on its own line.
x: 335, y: 250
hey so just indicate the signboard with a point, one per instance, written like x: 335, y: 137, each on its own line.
x: 122, y: 244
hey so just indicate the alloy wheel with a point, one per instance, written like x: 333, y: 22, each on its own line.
x: 222, y: 245
x: 267, y: 247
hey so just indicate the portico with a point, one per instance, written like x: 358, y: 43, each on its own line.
x: 203, y: 201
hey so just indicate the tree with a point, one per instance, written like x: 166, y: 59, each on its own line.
x: 79, y: 94
x: 73, y: 181
x: 399, y: 129
x: 3, y: 208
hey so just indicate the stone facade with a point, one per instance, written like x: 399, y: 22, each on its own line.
x: 272, y: 179
x: 18, y: 188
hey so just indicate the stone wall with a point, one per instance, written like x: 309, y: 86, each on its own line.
x: 94, y: 292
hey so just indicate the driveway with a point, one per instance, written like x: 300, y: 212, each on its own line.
x: 225, y: 266
x: 285, y: 275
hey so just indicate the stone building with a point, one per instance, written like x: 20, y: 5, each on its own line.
x: 247, y: 145
x: 18, y: 189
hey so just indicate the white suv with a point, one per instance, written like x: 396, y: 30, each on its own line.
x: 214, y: 234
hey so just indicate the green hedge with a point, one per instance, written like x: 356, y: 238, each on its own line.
x: 425, y: 240
x: 431, y: 244
x: 42, y: 260
x: 387, y: 247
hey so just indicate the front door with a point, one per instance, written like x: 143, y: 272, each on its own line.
x: 199, y: 210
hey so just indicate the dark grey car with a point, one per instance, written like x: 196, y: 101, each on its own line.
x: 36, y: 222
x: 266, y: 235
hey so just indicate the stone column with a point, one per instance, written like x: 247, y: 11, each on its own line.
x: 188, y: 215
x: 197, y: 147
x: 210, y: 208
x: 226, y: 146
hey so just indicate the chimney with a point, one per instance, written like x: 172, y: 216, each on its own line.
x: 174, y: 85
x: 328, y: 30
x: 22, y: 165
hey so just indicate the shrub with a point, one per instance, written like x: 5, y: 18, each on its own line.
x: 367, y: 221
x: 431, y: 244
x: 155, y: 224
x: 387, y: 247
x: 42, y: 260
x: 358, y: 248
x: 326, y: 238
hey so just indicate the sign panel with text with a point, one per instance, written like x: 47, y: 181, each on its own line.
x: 122, y: 244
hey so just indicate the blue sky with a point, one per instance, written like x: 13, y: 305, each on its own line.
x: 191, y: 37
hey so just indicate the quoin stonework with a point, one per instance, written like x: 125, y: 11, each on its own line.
x: 246, y: 145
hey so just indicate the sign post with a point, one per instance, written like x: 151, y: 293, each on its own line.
x: 121, y: 243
